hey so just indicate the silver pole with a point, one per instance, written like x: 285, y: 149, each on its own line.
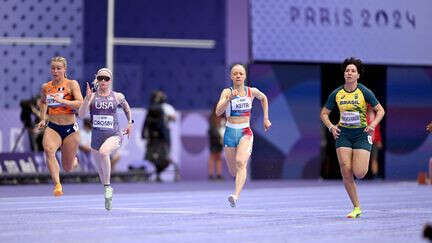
x: 110, y: 38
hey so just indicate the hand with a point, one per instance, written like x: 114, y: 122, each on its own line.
x: 267, y: 124
x: 89, y: 92
x: 56, y: 98
x: 128, y: 130
x: 233, y: 94
x: 429, y: 127
x: 41, y: 125
x: 335, y: 131
x: 370, y: 129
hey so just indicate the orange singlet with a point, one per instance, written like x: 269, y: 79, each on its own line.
x: 64, y: 90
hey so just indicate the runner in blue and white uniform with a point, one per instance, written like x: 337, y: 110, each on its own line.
x: 236, y: 102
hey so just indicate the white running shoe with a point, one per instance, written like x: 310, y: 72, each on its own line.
x: 232, y: 199
x: 108, y: 197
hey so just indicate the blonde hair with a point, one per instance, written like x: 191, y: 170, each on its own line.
x: 105, y: 70
x: 95, y: 82
x: 60, y: 59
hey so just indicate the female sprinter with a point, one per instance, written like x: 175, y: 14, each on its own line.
x: 106, y: 137
x: 61, y: 97
x: 352, y: 134
x: 236, y: 102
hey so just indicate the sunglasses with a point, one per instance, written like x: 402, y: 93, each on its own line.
x: 105, y: 78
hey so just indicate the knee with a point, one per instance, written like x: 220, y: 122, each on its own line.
x: 69, y: 163
x: 104, y: 153
x: 345, y: 168
x: 348, y: 178
x: 241, y: 165
x: 67, y: 166
x: 359, y: 174
x: 49, y: 151
x: 347, y: 174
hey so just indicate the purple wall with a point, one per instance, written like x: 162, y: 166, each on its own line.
x: 237, y: 31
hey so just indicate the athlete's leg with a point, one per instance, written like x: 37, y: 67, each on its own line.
x: 103, y: 162
x: 96, y: 158
x: 360, y: 163
x: 51, y: 143
x: 69, y: 150
x: 109, y: 146
x: 345, y: 162
x: 115, y: 158
x: 244, y: 150
x: 230, y: 156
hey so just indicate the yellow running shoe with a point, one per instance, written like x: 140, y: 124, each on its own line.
x: 355, y: 213
x: 58, y: 190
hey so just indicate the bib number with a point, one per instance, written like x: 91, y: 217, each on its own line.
x: 50, y: 99
x: 103, y: 121
x: 350, y: 118
x: 241, y: 104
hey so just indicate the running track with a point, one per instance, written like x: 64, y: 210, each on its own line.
x: 268, y: 211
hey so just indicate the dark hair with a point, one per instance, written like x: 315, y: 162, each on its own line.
x: 157, y: 97
x: 356, y: 62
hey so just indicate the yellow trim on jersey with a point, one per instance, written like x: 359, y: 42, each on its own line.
x: 352, y: 107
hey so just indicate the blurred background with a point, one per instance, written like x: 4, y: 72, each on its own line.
x: 292, y: 50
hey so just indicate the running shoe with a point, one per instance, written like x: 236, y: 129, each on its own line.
x: 232, y: 199
x: 355, y: 213
x: 58, y: 190
x: 108, y: 197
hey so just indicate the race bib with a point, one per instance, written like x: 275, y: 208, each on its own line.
x: 350, y: 118
x: 103, y: 121
x: 241, y: 104
x: 50, y: 99
x: 76, y: 127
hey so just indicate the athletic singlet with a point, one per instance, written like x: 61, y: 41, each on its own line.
x: 103, y: 112
x: 352, y: 105
x: 240, y: 105
x: 63, y: 89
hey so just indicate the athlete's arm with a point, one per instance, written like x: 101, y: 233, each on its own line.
x: 325, y: 117
x: 223, y: 102
x: 325, y: 112
x: 379, y: 116
x: 372, y: 100
x: 264, y: 104
x: 126, y: 108
x: 84, y: 108
x: 76, y: 92
x: 43, y: 107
